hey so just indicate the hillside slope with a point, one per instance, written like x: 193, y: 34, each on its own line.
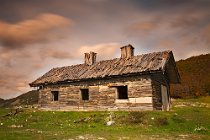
x: 195, y: 77
x: 28, y: 98
x: 188, y: 120
x: 1, y: 100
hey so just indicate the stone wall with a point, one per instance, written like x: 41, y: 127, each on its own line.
x: 103, y: 94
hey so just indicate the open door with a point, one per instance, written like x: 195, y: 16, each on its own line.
x: 165, y: 98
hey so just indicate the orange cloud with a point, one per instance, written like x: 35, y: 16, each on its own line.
x: 54, y: 53
x: 141, y: 29
x: 190, y: 18
x: 31, y: 31
x: 104, y: 51
x: 206, y: 33
x: 143, y: 26
x: 185, y: 20
x: 166, y: 44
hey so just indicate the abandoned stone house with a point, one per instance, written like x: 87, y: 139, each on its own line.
x: 140, y: 82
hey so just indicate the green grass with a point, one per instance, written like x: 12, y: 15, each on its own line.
x: 186, y: 116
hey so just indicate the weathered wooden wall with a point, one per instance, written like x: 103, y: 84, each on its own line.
x: 159, y: 79
x: 143, y: 93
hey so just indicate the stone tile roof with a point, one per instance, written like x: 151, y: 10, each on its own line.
x: 150, y: 62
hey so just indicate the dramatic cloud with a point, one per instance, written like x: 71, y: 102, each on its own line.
x: 36, y: 36
x: 104, y: 51
x: 206, y: 34
x: 37, y: 30
x: 141, y: 29
x: 57, y: 53
x: 143, y: 26
x: 19, y: 68
x: 182, y: 33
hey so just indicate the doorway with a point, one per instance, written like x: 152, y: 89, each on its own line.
x: 122, y: 92
x: 165, y: 98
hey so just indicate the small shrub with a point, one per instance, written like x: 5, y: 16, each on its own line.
x: 82, y: 120
x: 161, y: 121
x: 200, y: 128
x: 91, y: 119
x: 136, y: 117
x: 34, y: 119
x: 121, y: 119
x: 111, y: 116
x: 96, y: 118
x: 177, y: 119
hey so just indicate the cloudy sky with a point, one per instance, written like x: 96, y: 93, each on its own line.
x: 37, y: 35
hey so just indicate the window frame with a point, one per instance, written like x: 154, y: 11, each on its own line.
x: 118, y: 92
x: 84, y: 91
x: 55, y: 98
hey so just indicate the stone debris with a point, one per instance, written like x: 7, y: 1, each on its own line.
x: 124, y: 138
x: 109, y: 123
x: 101, y: 138
x: 193, y: 104
x: 81, y: 137
x: 34, y: 131
x: 16, y: 126
x: 200, y: 128
x: 88, y: 137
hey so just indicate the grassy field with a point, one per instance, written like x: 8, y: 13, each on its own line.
x: 189, y: 119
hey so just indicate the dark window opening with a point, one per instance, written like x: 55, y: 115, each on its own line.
x: 122, y: 92
x: 85, y: 94
x: 40, y: 87
x: 55, y: 95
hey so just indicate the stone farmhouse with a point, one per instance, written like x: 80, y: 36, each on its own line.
x: 131, y: 82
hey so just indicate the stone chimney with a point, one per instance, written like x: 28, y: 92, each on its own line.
x: 90, y: 58
x: 127, y: 51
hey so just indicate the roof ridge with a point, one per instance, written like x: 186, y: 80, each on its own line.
x: 111, y: 59
x: 111, y: 67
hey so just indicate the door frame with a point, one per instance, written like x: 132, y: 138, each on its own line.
x: 165, y: 98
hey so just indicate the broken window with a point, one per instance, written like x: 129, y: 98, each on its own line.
x: 122, y: 92
x: 85, y: 94
x: 55, y: 95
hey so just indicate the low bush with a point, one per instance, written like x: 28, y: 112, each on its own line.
x: 177, y: 119
x: 161, y: 121
x: 136, y: 117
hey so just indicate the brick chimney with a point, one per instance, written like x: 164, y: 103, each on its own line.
x: 90, y: 58
x: 127, y: 51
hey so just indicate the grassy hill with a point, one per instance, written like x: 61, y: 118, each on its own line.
x: 195, y: 77
x: 1, y: 100
x: 28, y: 98
x: 188, y: 120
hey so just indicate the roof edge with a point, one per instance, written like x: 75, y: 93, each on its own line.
x: 99, y: 78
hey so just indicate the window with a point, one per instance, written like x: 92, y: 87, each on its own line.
x: 41, y: 87
x: 85, y: 94
x: 122, y: 92
x: 55, y: 95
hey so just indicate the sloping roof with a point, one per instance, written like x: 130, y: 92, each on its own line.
x: 119, y: 66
